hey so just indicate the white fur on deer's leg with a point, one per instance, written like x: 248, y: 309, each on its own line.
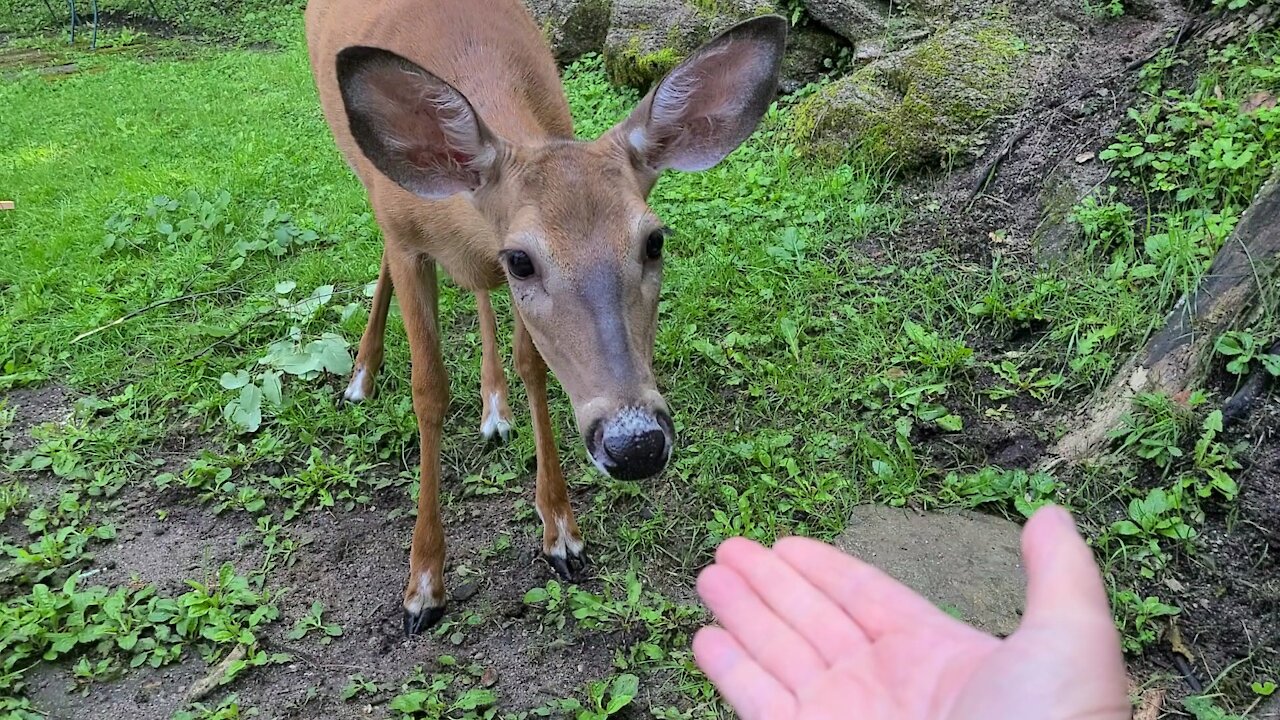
x: 361, y: 385
x: 423, y: 605
x: 497, y: 419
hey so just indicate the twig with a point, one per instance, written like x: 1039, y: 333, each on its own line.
x: 206, y: 684
x: 148, y: 308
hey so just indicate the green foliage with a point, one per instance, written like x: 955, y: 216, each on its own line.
x: 1104, y: 9
x: 447, y: 694
x: 1244, y: 349
x: 228, y: 708
x: 1138, y: 619
x: 1157, y: 427
x: 135, y: 627
x: 1026, y: 492
x: 313, y: 621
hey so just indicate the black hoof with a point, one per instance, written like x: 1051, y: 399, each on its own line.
x: 415, y: 623
x: 572, y: 568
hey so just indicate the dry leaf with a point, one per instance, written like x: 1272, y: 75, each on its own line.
x: 1177, y: 645
x: 1150, y: 705
x: 1261, y: 100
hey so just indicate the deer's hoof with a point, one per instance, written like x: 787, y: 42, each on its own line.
x: 571, y: 568
x: 416, y: 622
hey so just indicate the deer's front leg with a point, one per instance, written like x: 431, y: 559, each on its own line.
x: 369, y: 357
x: 415, y: 284
x: 561, y: 539
x: 495, y: 424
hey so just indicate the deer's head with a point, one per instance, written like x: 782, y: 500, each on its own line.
x: 581, y: 248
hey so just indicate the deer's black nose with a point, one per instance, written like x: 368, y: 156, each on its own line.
x: 634, y: 444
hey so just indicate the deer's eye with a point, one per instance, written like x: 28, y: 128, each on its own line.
x: 519, y: 264
x: 653, y: 246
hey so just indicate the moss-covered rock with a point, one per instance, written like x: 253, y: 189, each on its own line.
x: 811, y: 53
x: 649, y: 37
x: 924, y: 106
x: 854, y: 20
x: 573, y: 28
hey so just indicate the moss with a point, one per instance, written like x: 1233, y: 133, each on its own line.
x: 633, y: 67
x: 927, y: 106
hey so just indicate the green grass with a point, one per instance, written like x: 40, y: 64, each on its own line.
x: 811, y: 366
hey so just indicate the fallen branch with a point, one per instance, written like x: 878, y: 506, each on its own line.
x: 205, y: 685
x: 148, y: 308
x: 1177, y: 356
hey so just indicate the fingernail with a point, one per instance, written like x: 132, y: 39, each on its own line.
x: 1060, y: 517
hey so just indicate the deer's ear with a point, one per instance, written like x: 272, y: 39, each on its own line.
x: 414, y: 127
x: 710, y: 103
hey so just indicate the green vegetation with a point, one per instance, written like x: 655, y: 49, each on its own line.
x: 191, y: 256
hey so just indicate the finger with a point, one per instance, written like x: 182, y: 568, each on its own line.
x: 793, y: 598
x: 765, y: 636
x: 876, y: 602
x: 1063, y: 579
x: 745, y: 685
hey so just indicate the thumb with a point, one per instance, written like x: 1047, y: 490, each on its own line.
x: 1063, y: 580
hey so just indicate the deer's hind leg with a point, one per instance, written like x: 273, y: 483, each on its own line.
x: 369, y: 356
x: 495, y: 424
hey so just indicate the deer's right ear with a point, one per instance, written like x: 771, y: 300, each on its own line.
x: 414, y: 127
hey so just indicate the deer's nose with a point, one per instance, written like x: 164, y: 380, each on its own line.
x: 634, y: 444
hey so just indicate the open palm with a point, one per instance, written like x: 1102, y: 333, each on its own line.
x: 809, y: 632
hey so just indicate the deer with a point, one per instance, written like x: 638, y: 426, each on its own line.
x: 452, y: 115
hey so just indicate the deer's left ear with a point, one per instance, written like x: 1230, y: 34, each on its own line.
x: 710, y: 103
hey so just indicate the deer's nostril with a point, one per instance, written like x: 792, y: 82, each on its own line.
x: 636, y: 444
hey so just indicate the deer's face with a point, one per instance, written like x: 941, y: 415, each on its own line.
x: 580, y: 246
x: 583, y: 257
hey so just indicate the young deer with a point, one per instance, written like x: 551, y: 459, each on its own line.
x: 452, y: 115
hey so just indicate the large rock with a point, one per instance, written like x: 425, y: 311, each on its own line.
x: 853, y: 20
x: 810, y: 54
x: 572, y: 27
x: 649, y: 37
x: 927, y: 105
x: 967, y: 563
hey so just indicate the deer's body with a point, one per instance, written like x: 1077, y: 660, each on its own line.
x: 452, y: 114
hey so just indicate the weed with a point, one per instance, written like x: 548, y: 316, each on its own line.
x: 358, y: 686
x: 1244, y: 349
x: 1104, y: 9
x: 1136, y: 618
x: 1027, y: 492
x: 228, y: 708
x: 1157, y: 427
x: 313, y: 621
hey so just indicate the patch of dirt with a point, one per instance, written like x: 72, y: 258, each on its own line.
x: 354, y: 563
x: 35, y: 407
x: 1229, y: 588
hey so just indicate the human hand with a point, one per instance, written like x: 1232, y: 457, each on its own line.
x: 809, y: 632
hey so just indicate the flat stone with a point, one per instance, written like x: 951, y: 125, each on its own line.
x: 965, y: 562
